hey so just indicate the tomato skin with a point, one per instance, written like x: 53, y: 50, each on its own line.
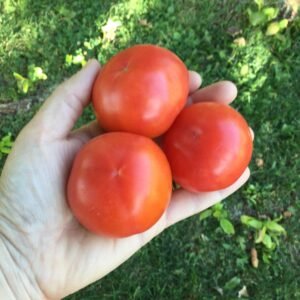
x: 208, y: 147
x: 141, y: 90
x: 120, y: 184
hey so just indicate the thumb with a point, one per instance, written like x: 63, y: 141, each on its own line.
x: 58, y: 114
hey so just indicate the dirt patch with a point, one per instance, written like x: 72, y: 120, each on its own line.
x: 9, y: 107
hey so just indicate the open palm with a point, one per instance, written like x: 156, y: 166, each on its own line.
x: 48, y: 245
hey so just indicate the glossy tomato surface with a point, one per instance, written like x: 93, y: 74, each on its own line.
x: 120, y: 184
x: 141, y: 90
x: 208, y: 147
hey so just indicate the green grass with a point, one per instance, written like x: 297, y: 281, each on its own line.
x: 194, y: 259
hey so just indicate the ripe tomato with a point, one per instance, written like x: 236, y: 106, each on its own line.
x: 208, y: 147
x: 141, y: 90
x: 120, y: 184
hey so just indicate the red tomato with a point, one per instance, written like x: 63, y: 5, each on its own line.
x: 120, y: 184
x: 208, y: 147
x: 141, y: 90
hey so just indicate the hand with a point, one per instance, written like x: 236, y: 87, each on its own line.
x: 50, y: 253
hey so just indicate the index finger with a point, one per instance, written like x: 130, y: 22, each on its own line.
x: 185, y: 204
x: 222, y: 91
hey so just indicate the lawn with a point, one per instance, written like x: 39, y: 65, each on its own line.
x: 256, y: 44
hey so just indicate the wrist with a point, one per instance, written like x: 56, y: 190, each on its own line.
x: 17, y: 280
x: 16, y: 277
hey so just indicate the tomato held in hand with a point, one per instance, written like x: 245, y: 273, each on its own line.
x: 141, y: 90
x: 120, y: 184
x: 208, y: 147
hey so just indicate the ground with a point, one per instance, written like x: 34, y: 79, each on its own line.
x: 43, y: 42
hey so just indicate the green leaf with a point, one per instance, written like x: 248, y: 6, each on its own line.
x: 39, y: 73
x: 283, y: 23
x: 6, y: 144
x: 205, y: 214
x: 36, y: 73
x: 220, y: 214
x: 261, y: 235
x: 7, y: 140
x: 78, y: 59
x: 232, y: 283
x: 273, y: 28
x: 267, y: 241
x: 217, y: 214
x: 251, y: 222
x: 25, y: 86
x: 256, y: 18
x: 273, y: 226
x: 241, y: 42
x: 227, y: 226
x: 266, y: 258
x: 9, y: 6
x: 5, y: 150
x: 244, y: 70
x: 88, y: 45
x: 18, y: 76
x: 278, y: 219
x: 218, y: 206
x: 69, y: 59
x: 260, y: 3
x: 270, y: 12
x: 22, y: 83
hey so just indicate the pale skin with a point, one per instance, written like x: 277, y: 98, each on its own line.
x: 44, y: 252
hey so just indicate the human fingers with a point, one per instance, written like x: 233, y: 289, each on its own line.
x: 58, y: 114
x: 195, y: 81
x: 185, y: 204
x: 222, y: 91
x: 87, y: 132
